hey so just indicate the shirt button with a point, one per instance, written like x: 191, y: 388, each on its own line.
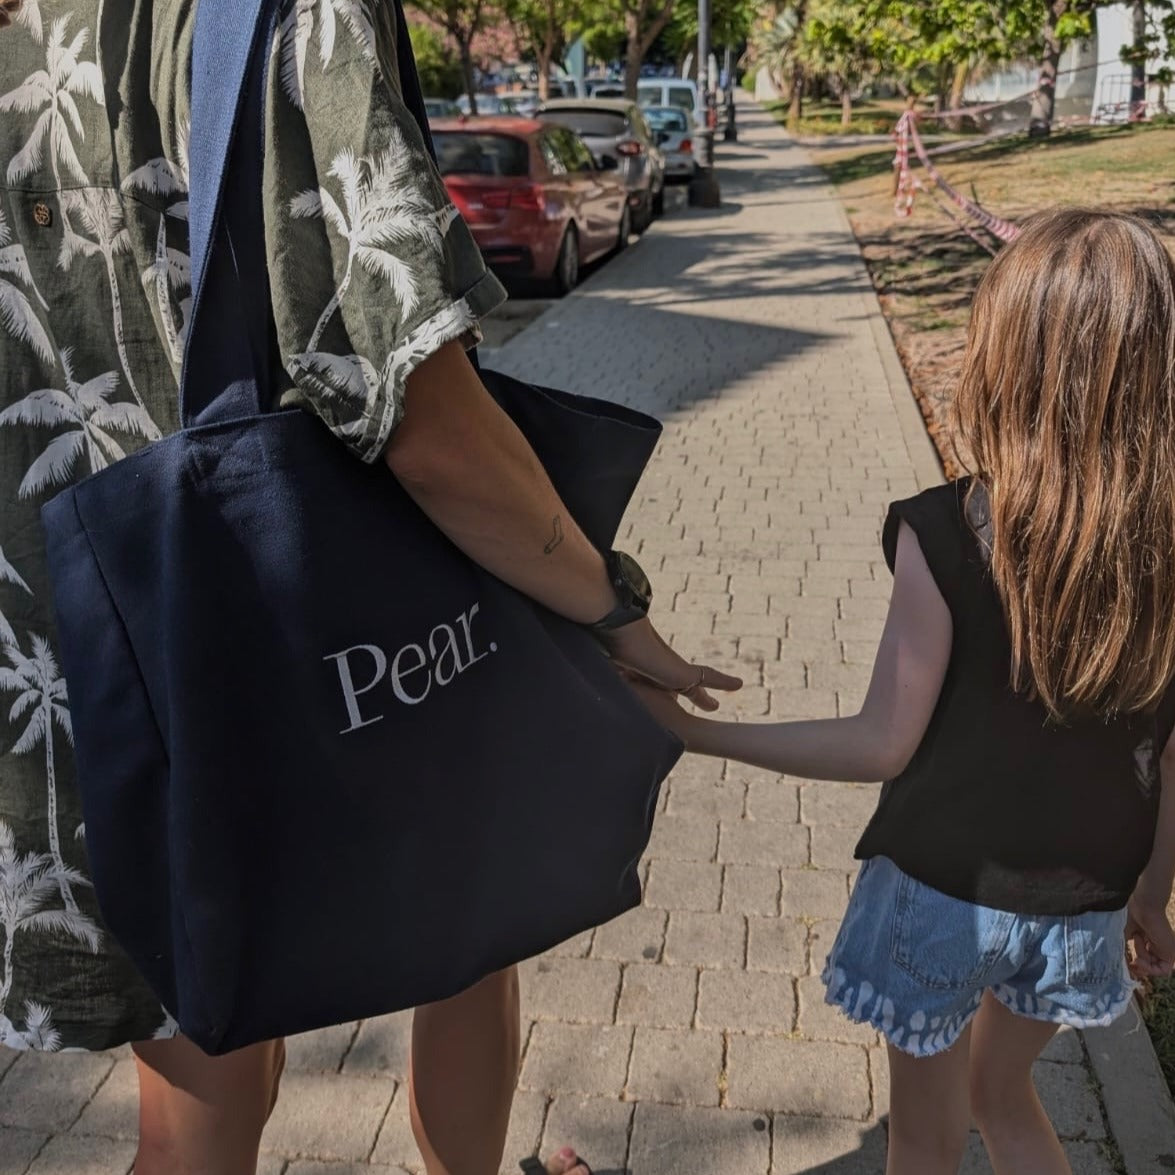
x: 43, y: 214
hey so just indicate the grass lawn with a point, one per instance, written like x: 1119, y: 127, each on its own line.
x: 925, y: 271
x: 824, y: 118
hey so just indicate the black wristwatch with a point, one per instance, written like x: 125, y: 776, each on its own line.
x: 634, y: 593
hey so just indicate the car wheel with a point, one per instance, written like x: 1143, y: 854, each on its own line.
x: 566, y: 275
x: 644, y: 216
x: 625, y: 229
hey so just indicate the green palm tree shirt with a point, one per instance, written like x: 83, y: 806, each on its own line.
x: 371, y: 272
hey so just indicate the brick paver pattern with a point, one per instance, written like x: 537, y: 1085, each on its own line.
x: 689, y: 1036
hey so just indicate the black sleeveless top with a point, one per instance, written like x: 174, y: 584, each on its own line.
x: 1001, y: 806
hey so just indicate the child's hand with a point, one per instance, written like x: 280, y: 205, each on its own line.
x: 667, y: 710
x: 1149, y: 932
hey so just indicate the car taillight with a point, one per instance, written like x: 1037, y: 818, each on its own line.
x: 629, y: 147
x: 529, y: 199
x: 496, y: 198
x: 686, y: 146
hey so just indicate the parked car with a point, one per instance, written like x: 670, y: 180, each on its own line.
x: 673, y: 134
x: 679, y: 92
x: 619, y: 138
x: 490, y: 105
x: 531, y: 193
x: 440, y: 108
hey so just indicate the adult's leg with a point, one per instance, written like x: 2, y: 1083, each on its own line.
x: 929, y: 1115
x: 1019, y: 1138
x: 464, y: 1067
x: 202, y: 1115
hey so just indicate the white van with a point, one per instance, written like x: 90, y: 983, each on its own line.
x: 681, y: 93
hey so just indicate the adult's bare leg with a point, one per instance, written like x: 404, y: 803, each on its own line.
x: 202, y: 1115
x: 464, y: 1067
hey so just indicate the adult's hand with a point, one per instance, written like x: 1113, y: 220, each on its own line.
x: 467, y: 466
x: 8, y: 11
x: 641, y: 651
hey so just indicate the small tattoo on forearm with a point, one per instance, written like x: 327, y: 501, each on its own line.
x: 557, y: 537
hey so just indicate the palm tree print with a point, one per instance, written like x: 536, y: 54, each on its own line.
x: 297, y: 27
x: 41, y: 695
x: 17, y: 315
x: 90, y: 419
x: 382, y: 206
x: 9, y: 574
x: 52, y: 92
x: 170, y: 271
x: 29, y: 15
x: 100, y: 213
x: 28, y: 882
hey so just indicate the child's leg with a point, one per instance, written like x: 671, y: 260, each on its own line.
x: 1019, y: 1138
x: 929, y: 1111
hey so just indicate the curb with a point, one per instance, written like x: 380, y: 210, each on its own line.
x: 1139, y: 1111
x: 923, y: 457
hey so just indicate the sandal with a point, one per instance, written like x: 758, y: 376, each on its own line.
x: 532, y: 1166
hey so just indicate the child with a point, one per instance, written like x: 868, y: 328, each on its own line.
x: 1021, y: 706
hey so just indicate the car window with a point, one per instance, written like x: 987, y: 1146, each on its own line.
x: 593, y: 124
x: 474, y: 153
x: 579, y: 153
x: 551, y: 151
x: 661, y: 118
x: 641, y: 127
x: 682, y: 97
x: 650, y: 95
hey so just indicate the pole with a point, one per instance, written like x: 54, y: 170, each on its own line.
x: 703, y: 190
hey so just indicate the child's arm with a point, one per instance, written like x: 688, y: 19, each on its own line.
x: 1150, y: 929
x: 875, y: 744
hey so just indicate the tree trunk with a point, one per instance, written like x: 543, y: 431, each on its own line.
x: 795, y: 110
x: 466, y: 55
x: 846, y: 105
x: 1138, y: 65
x: 959, y: 81
x: 634, y: 54
x: 1044, y: 101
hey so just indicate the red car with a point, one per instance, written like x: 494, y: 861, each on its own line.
x: 538, y: 206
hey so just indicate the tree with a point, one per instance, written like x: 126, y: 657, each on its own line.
x: 1153, y: 37
x: 731, y: 24
x: 462, y: 20
x: 540, y: 28
x: 839, y: 42
x: 439, y: 69
x: 636, y: 24
x: 945, y: 39
x: 780, y: 47
x: 1064, y: 21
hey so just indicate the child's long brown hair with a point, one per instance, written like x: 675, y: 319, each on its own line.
x: 1067, y: 402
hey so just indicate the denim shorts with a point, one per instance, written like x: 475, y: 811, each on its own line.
x: 915, y: 963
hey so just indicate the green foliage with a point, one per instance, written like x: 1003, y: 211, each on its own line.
x: 731, y: 22
x: 440, y: 71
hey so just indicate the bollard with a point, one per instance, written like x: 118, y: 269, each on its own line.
x: 703, y: 188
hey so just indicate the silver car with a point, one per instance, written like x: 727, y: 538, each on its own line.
x: 671, y: 127
x: 620, y: 138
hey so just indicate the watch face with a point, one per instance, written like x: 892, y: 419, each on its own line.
x: 635, y: 579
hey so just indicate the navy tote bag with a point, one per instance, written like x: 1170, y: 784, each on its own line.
x: 330, y: 767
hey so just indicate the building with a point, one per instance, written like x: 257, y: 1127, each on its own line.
x: 1093, y: 83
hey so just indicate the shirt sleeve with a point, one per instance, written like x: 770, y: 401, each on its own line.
x: 371, y: 268
x: 936, y: 517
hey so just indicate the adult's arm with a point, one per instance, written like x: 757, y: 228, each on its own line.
x: 467, y: 466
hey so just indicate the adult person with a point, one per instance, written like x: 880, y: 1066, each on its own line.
x: 377, y: 289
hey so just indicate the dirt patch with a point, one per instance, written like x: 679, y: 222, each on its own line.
x: 925, y: 268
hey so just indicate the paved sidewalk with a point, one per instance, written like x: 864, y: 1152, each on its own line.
x: 689, y: 1037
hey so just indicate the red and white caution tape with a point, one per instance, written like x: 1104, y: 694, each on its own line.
x: 907, y: 136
